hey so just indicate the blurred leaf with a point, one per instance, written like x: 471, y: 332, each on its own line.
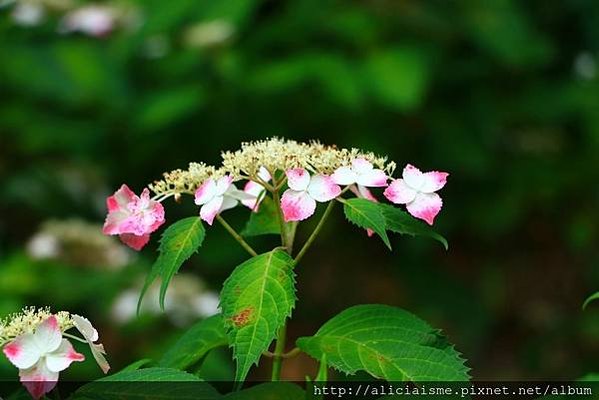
x: 591, y: 298
x: 134, y: 366
x: 178, y: 242
x: 366, y: 214
x: 166, y: 107
x: 155, y: 383
x: 269, y: 391
x: 388, y: 343
x: 256, y: 300
x: 195, y: 344
x: 399, y: 221
x: 265, y: 221
x: 398, y: 77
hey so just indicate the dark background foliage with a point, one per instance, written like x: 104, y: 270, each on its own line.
x: 502, y: 94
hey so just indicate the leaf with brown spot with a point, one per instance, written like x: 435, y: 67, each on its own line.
x: 255, y: 300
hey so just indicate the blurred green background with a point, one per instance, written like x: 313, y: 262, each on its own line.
x: 502, y: 94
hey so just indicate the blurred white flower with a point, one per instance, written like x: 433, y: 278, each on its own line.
x: 585, y: 66
x: 28, y: 13
x: 77, y: 243
x: 185, y: 301
x: 93, y: 20
x: 42, y: 246
x: 208, y: 34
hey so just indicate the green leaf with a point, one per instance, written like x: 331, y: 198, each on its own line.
x: 179, y: 241
x: 366, y: 214
x: 145, y: 384
x: 265, y: 221
x: 256, y: 299
x: 269, y: 391
x: 195, y: 343
x: 591, y: 298
x: 135, y: 365
x: 388, y: 343
x: 399, y: 221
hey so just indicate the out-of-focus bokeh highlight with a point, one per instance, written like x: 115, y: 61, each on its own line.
x: 502, y: 94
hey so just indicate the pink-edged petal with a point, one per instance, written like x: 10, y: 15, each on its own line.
x: 23, y: 352
x: 298, y: 179
x: 38, y: 380
x: 120, y: 199
x: 372, y: 178
x: 344, y: 176
x: 223, y: 184
x: 366, y: 194
x: 369, y: 232
x: 47, y: 335
x: 62, y: 357
x: 156, y: 214
x: 322, y: 188
x: 400, y: 193
x: 134, y: 241
x: 433, y: 181
x: 297, y: 206
x: 361, y: 166
x: 253, y: 189
x: 413, y: 177
x: 205, y: 192
x: 114, y: 221
x: 237, y: 194
x: 425, y: 206
x: 210, y: 210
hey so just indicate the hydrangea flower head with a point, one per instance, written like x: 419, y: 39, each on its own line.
x: 417, y: 191
x: 40, y: 356
x: 132, y: 217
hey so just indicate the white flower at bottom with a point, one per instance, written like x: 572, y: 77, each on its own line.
x: 40, y: 356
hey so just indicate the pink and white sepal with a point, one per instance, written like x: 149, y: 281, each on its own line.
x: 417, y: 191
x: 256, y: 190
x: 299, y: 201
x: 218, y: 195
x: 133, y: 217
x: 40, y: 356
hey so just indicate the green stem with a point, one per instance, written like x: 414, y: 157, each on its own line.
x: 236, y: 236
x: 277, y: 361
x: 308, y: 243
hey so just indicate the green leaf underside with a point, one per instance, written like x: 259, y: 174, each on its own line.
x: 270, y: 390
x: 256, y: 299
x: 202, y: 337
x: 388, y: 343
x: 366, y: 214
x: 590, y: 299
x: 399, y: 221
x: 138, y: 384
x: 178, y: 242
x: 265, y: 221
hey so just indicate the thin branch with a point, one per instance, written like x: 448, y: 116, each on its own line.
x: 236, y: 236
x: 314, y: 233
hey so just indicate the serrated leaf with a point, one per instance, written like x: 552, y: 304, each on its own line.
x: 366, y: 214
x: 256, y: 299
x: 269, y: 391
x: 399, y: 221
x: 204, y: 336
x: 265, y: 221
x: 154, y: 383
x: 178, y: 242
x: 591, y: 298
x: 388, y: 343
